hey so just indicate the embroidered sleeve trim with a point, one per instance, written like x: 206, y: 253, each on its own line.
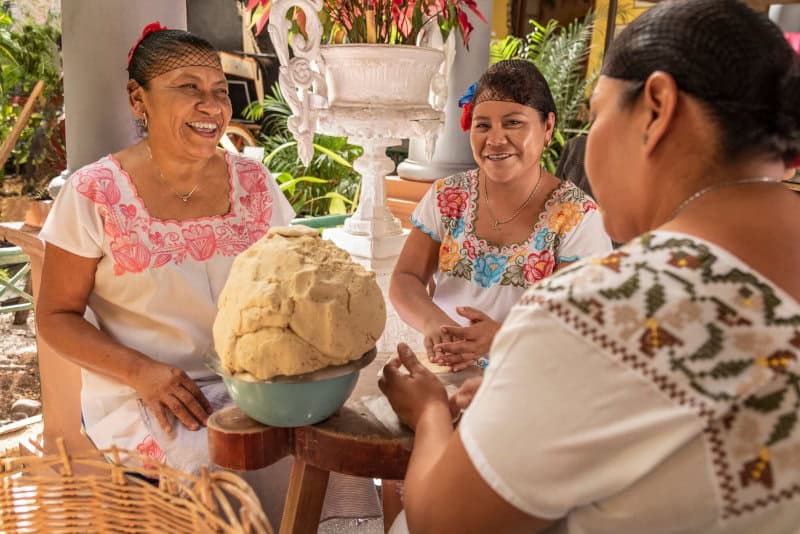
x: 421, y: 227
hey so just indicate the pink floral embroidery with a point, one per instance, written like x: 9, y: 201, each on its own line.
x: 130, y: 254
x: 200, y: 241
x: 452, y: 201
x: 251, y: 176
x: 149, y: 448
x: 538, y: 266
x: 469, y: 247
x: 97, y: 183
x: 137, y: 241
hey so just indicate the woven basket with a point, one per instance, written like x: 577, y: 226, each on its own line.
x: 109, y: 500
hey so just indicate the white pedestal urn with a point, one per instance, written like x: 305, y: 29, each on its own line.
x: 376, y: 95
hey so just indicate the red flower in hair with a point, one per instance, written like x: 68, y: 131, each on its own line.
x: 466, y: 116
x: 154, y: 26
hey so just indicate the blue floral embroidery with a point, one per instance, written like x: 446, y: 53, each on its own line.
x: 567, y: 259
x: 540, y: 239
x: 459, y: 227
x: 489, y: 269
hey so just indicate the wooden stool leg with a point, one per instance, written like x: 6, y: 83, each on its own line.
x: 304, y: 499
x: 392, y: 500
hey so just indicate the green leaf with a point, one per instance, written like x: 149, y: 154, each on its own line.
x: 624, y: 291
x: 337, y: 206
x: 766, y: 403
x: 278, y: 150
x: 654, y: 299
x: 291, y: 184
x: 334, y: 156
x: 712, y: 346
x: 729, y: 368
x: 783, y: 428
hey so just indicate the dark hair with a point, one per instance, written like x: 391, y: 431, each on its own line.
x: 734, y: 60
x: 165, y: 50
x: 516, y: 80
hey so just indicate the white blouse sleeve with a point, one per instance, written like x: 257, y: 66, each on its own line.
x: 557, y: 425
x: 426, y: 216
x: 588, y: 238
x: 75, y: 222
x: 282, y: 211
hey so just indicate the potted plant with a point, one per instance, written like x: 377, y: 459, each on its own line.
x: 351, y: 53
x: 30, y: 64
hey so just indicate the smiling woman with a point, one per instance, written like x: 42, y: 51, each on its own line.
x: 486, y: 235
x: 138, y: 247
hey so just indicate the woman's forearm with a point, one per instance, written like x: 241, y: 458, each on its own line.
x: 79, y: 341
x: 431, y: 438
x: 410, y: 298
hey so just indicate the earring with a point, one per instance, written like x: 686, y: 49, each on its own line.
x: 645, y: 138
x: 144, y: 120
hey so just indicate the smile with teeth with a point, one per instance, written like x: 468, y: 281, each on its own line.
x: 497, y: 157
x: 204, y: 127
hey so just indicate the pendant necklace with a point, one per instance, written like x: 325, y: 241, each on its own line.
x: 496, y: 223
x: 182, y: 196
x: 755, y: 180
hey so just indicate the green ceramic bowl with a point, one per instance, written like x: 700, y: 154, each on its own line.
x: 288, y: 401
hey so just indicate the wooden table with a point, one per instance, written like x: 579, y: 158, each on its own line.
x: 353, y: 442
x: 60, y: 378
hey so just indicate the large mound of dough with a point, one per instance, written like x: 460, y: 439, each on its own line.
x: 294, y: 303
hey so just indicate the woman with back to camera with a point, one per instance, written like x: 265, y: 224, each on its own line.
x: 654, y: 389
x: 485, y: 235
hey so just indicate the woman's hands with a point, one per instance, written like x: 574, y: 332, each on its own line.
x: 412, y: 394
x: 462, y: 398
x: 433, y: 330
x: 467, y: 343
x: 164, y: 389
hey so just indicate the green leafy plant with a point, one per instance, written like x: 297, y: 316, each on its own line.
x: 28, y: 54
x: 328, y: 185
x: 561, y: 54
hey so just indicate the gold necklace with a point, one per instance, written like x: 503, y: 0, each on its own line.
x: 497, y: 222
x: 714, y: 187
x: 185, y: 196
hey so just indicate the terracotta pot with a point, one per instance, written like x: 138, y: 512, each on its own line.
x: 379, y: 75
x: 37, y: 213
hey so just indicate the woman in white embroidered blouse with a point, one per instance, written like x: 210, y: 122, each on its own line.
x: 486, y: 235
x: 655, y: 389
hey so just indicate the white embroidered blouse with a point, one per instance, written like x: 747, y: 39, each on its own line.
x: 157, y: 281
x: 653, y: 390
x: 474, y: 272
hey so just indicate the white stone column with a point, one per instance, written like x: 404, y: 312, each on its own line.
x: 453, y: 153
x: 96, y: 38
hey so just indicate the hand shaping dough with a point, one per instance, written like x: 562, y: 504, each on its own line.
x: 294, y: 303
x: 434, y: 368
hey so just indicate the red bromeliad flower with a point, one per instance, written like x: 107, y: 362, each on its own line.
x: 394, y: 21
x: 266, y: 5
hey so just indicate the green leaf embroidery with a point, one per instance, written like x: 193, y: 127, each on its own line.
x: 654, y: 299
x: 624, y: 291
x: 783, y: 428
x: 729, y: 369
x: 767, y: 403
x: 712, y: 346
x: 463, y: 269
x: 513, y: 276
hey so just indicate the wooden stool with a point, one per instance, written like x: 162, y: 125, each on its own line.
x: 352, y: 442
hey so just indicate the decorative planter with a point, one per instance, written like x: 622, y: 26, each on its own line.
x: 380, y: 75
x: 376, y: 95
